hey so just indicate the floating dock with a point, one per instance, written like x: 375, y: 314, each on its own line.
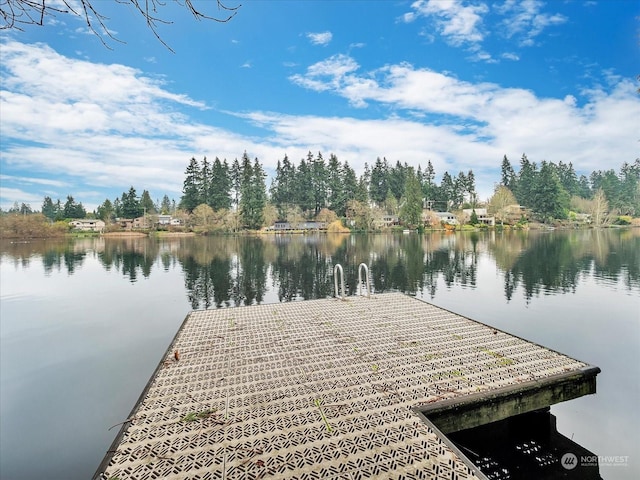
x: 354, y: 388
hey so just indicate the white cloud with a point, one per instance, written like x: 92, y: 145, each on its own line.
x: 109, y: 127
x: 510, y: 56
x: 321, y: 38
x: 457, y: 23
x: 494, y: 120
x: 327, y: 74
x: 525, y: 20
x: 34, y: 180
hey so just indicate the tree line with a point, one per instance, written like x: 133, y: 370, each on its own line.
x: 235, y: 194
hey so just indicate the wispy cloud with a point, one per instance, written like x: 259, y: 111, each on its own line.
x: 488, y: 118
x: 327, y: 74
x: 321, y: 38
x: 101, y: 127
x: 34, y: 181
x: 526, y: 21
x: 462, y: 24
x: 457, y: 23
x: 510, y: 56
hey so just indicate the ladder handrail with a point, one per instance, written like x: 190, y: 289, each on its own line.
x: 364, y: 267
x: 337, y: 268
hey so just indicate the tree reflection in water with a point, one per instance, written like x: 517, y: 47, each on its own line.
x: 224, y: 271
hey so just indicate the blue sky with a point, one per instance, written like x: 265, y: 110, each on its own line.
x: 460, y: 83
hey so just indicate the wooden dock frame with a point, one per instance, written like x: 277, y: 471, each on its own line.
x: 332, y: 389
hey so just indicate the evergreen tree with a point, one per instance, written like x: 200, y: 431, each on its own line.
x: 336, y: 195
x: 131, y: 204
x: 49, y: 208
x: 318, y: 181
x: 428, y: 185
x: 411, y: 210
x: 349, y: 189
x: 526, y: 181
x: 146, y: 204
x: 220, y: 190
x: 378, y: 185
x: 568, y: 178
x: 283, y: 191
x: 191, y: 186
x: 470, y: 188
x: 165, y: 205
x: 508, y: 175
x: 548, y: 199
x: 236, y: 178
x: 205, y: 184
x: 629, y: 198
x: 253, y: 196
x: 584, y: 189
x: 447, y: 191
x: 117, y: 208
x: 105, y: 211
x: 362, y: 192
x: 609, y: 183
x: 396, y: 180
x: 303, y: 191
x: 72, y: 209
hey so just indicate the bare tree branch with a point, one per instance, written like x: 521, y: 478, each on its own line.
x: 16, y: 14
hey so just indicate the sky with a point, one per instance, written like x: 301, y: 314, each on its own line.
x: 460, y: 83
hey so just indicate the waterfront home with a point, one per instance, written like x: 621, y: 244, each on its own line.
x: 88, y: 225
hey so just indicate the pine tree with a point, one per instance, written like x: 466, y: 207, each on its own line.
x: 447, y: 191
x: 428, y: 185
x: 411, y: 210
x: 526, y: 181
x: 303, y: 190
x: 205, y: 184
x: 220, y: 189
x: 378, y: 185
x: 165, y: 205
x: 236, y: 177
x: 319, y: 182
x: 146, y: 204
x: 548, y: 199
x: 49, y: 208
x: 131, y: 204
x: 191, y: 186
x: 396, y: 180
x: 253, y: 196
x: 105, y: 211
x: 508, y: 178
x: 72, y: 209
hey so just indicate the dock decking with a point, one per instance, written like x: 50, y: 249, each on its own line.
x: 333, y: 389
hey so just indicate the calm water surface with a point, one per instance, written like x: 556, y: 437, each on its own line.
x: 83, y: 323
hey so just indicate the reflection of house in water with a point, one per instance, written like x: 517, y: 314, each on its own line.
x: 282, y: 226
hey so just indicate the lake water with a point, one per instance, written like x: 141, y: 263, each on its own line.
x: 84, y: 322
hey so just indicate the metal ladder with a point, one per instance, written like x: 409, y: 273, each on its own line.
x: 339, y: 272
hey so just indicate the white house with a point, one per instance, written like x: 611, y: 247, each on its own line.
x: 482, y: 214
x: 88, y: 225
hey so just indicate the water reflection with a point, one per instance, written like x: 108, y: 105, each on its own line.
x: 226, y: 271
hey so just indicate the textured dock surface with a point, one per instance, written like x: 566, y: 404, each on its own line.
x: 318, y: 389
